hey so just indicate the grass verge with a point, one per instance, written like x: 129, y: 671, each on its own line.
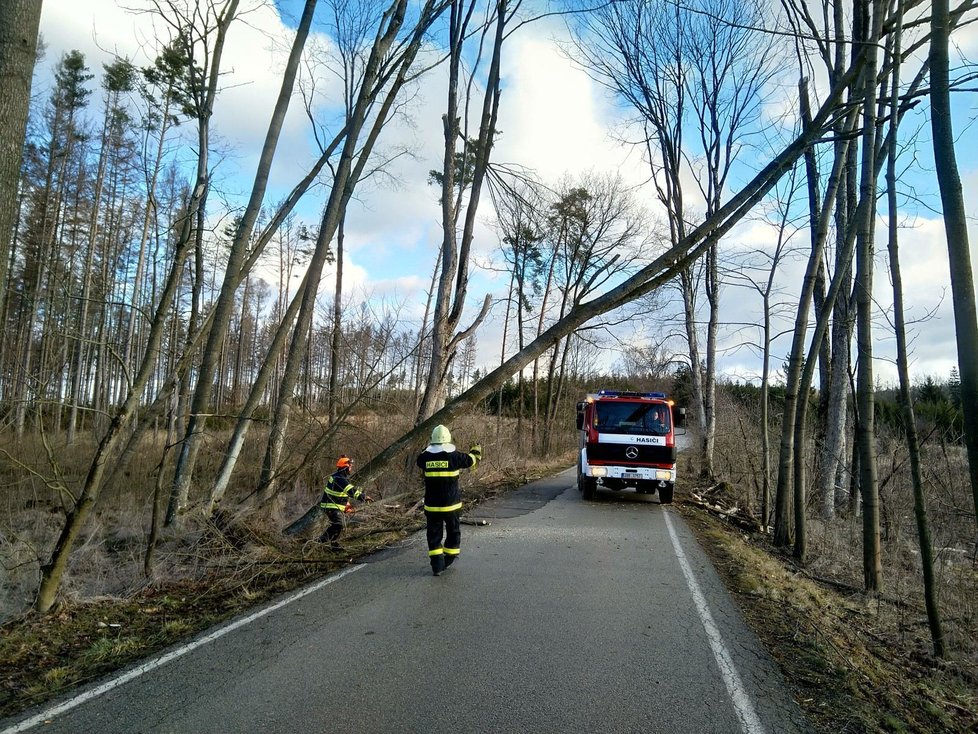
x: 851, y: 669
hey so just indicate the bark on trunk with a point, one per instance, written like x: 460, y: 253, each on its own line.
x: 956, y: 231
x: 19, y: 22
x: 906, y: 401
x: 865, y: 387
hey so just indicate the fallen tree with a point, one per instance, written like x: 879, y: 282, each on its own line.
x: 659, y: 271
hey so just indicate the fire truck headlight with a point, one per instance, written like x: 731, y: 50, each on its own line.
x: 599, y: 471
x: 662, y: 474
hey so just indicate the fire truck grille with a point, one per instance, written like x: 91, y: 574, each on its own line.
x: 615, y: 452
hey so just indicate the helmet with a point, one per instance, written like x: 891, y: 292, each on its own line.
x: 344, y: 462
x: 441, y: 435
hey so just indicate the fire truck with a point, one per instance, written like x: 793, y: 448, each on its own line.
x: 628, y: 440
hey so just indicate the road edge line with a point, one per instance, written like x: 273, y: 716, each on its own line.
x: 749, y: 720
x: 139, y: 670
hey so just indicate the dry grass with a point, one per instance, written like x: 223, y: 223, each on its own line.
x: 855, y: 657
x: 856, y: 663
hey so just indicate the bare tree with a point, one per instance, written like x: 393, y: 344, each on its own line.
x: 222, y: 310
x: 682, y: 68
x: 872, y: 13
x: 463, y: 173
x: 388, y: 66
x: 906, y: 400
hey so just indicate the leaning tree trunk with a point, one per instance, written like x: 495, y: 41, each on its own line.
x: 53, y: 571
x: 956, y: 231
x: 661, y: 270
x: 348, y: 172
x: 224, y: 306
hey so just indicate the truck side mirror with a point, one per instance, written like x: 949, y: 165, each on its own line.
x: 680, y: 417
x: 580, y: 420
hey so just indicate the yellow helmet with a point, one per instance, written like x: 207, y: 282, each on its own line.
x: 441, y: 435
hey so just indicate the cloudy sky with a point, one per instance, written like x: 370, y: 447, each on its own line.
x: 555, y: 120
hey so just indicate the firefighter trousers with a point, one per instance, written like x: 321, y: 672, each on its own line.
x: 332, y: 532
x: 447, y: 525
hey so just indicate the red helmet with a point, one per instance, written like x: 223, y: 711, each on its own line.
x: 344, y: 462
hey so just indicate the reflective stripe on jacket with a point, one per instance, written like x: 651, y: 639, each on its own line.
x: 338, y: 491
x: 441, y: 470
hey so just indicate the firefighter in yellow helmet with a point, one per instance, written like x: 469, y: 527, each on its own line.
x: 337, y: 494
x: 441, y: 465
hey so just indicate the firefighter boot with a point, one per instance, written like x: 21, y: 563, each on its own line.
x: 449, y: 559
x: 437, y: 564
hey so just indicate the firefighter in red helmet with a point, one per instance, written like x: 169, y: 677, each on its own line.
x: 337, y: 494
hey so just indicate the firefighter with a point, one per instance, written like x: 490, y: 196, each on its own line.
x: 659, y: 424
x: 441, y: 465
x: 336, y: 500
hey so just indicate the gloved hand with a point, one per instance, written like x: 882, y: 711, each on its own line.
x: 367, y: 498
x: 476, y: 451
x: 349, y: 509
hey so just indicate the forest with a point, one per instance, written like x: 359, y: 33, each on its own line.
x: 180, y: 356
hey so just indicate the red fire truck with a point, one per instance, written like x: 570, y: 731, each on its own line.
x: 628, y: 440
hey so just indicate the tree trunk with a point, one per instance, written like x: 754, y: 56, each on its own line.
x: 906, y: 400
x: 956, y: 231
x: 334, y: 342
x: 19, y: 21
x: 865, y: 386
x: 233, y: 450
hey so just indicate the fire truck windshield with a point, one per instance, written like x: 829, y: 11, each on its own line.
x: 638, y: 418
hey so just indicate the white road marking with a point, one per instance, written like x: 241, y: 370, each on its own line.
x: 81, y: 698
x: 749, y: 720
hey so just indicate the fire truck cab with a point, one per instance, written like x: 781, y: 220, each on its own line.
x: 628, y: 440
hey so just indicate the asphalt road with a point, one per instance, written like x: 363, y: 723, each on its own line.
x: 561, y: 616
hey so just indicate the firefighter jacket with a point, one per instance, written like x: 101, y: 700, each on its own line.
x: 441, y: 469
x: 338, y: 491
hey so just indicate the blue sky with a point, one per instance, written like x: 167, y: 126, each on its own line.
x: 555, y: 120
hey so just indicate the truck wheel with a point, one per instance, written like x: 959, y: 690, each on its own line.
x: 590, y: 486
x: 665, y: 494
x: 580, y: 482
